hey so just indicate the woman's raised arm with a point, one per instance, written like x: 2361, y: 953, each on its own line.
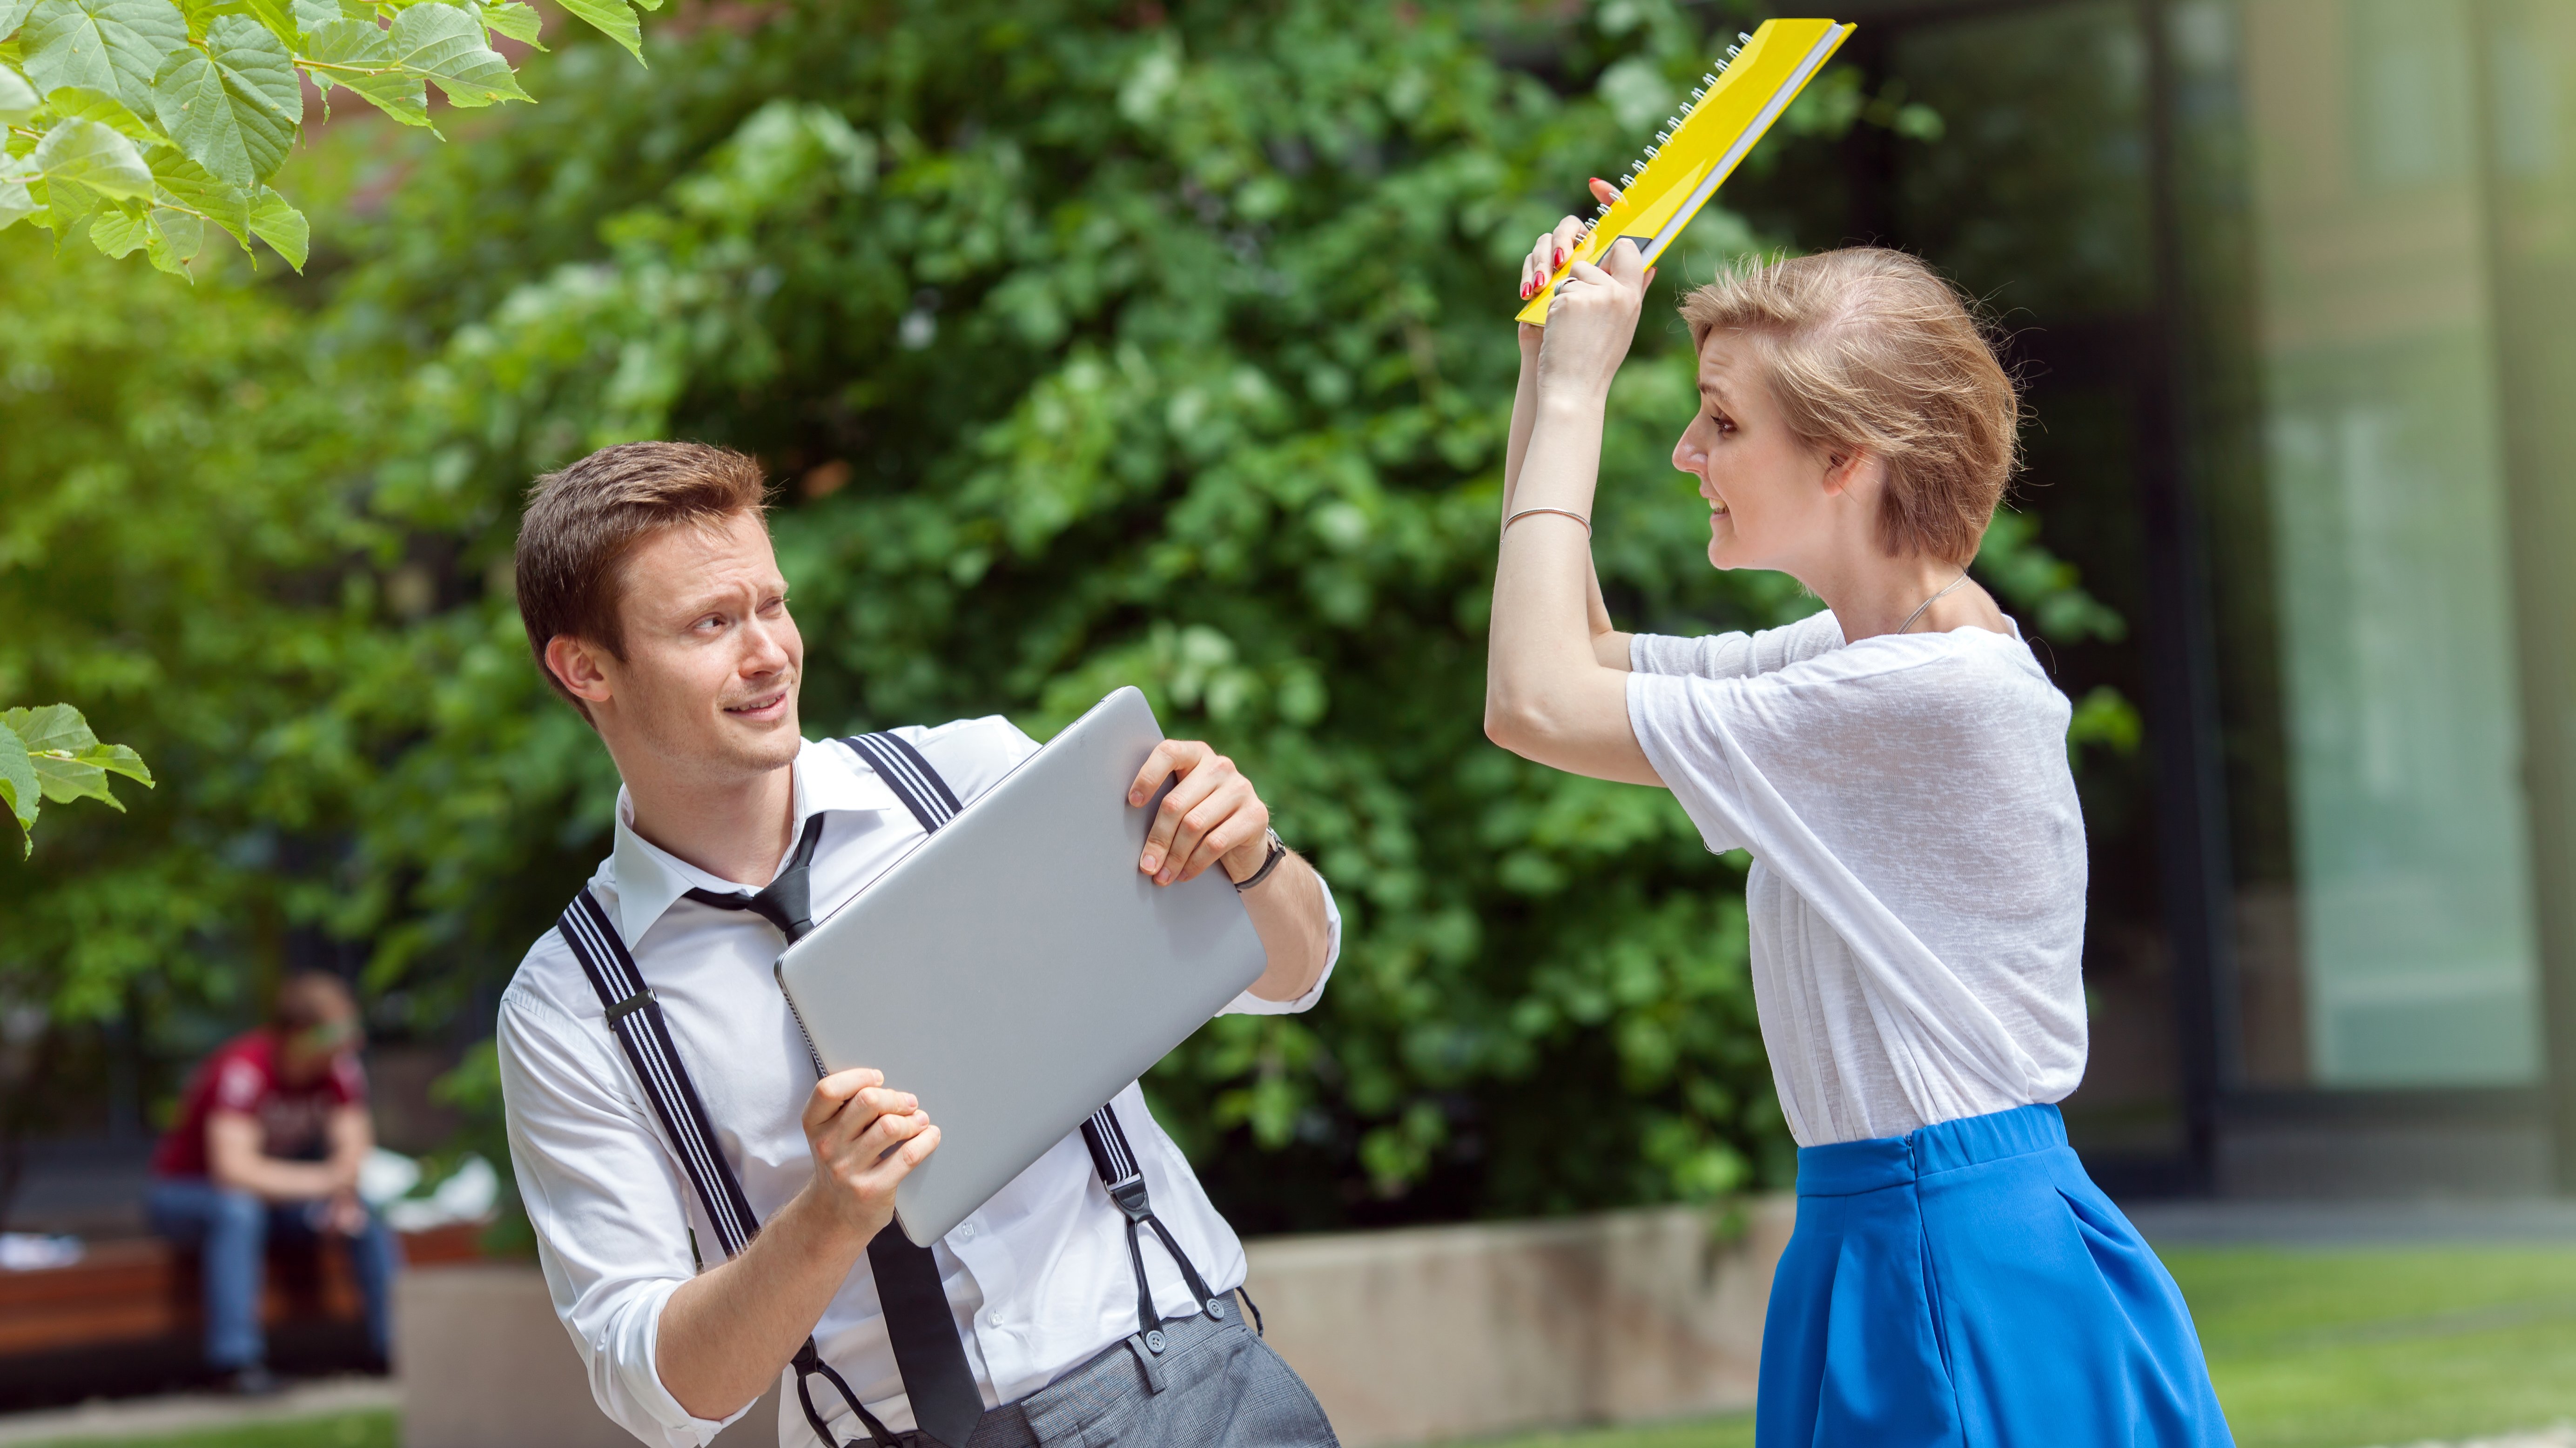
x: 1609, y: 645
x: 1549, y: 694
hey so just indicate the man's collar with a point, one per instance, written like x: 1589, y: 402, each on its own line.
x: 648, y: 878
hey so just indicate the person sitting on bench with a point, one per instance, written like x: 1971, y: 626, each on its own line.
x: 710, y: 1214
x: 270, y: 1132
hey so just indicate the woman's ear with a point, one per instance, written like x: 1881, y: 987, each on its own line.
x: 1845, y: 470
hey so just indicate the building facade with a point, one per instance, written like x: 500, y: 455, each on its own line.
x: 2292, y: 284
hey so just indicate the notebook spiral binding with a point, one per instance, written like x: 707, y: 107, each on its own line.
x: 1672, y: 123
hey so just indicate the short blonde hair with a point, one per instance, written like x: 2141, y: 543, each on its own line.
x: 1869, y: 349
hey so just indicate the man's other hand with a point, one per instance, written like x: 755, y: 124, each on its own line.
x: 866, y: 1137
x: 1212, y: 813
x: 344, y: 1214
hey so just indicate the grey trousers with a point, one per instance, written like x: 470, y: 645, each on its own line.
x: 1214, y: 1385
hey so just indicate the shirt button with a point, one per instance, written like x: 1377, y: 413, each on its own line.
x: 994, y: 1317
x: 966, y: 1232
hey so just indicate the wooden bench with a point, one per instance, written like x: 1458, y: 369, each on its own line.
x: 139, y: 1298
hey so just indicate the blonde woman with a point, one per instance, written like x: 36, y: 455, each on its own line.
x: 1896, y: 765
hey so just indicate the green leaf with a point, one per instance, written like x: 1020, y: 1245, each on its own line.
x: 513, y: 19
x: 119, y: 232
x: 119, y: 759
x: 234, y: 108
x: 613, y: 19
x: 16, y: 202
x: 68, y: 760
x: 54, y: 728
x: 311, y: 13
x: 19, y: 787
x: 444, y: 44
x: 79, y: 101
x: 276, y: 15
x: 12, y: 13
x: 171, y: 239
x: 282, y: 227
x: 92, y: 157
x: 358, y: 54
x: 174, y: 240
x: 18, y: 100
x: 428, y: 42
x: 182, y: 182
x: 115, y: 46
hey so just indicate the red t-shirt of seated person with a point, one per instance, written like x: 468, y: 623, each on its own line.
x: 242, y: 1075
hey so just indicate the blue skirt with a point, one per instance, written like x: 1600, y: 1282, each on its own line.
x: 1967, y: 1284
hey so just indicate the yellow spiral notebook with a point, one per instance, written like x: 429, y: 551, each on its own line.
x: 1700, y: 146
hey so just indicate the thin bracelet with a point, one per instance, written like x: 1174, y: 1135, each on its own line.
x: 1560, y: 512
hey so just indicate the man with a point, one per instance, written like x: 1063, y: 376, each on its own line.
x: 270, y: 1134
x: 655, y: 606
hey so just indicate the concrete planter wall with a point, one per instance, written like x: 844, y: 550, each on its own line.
x: 1407, y: 1336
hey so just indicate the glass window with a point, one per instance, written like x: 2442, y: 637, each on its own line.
x: 2385, y: 913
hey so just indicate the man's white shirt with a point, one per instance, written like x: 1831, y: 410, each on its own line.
x: 1039, y: 1277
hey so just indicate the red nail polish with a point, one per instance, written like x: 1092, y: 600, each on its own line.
x: 1560, y: 256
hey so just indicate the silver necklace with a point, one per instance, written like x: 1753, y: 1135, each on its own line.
x: 1927, y: 603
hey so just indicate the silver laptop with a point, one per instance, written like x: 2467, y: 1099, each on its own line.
x: 1015, y: 971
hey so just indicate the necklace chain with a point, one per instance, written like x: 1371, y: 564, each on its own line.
x: 1927, y: 603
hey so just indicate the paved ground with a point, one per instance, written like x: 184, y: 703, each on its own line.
x: 2355, y: 1224
x: 2166, y: 1224
x: 2546, y: 1439
x: 183, y: 1412
x: 187, y: 1412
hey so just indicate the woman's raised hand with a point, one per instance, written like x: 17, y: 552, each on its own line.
x: 1593, y: 316
x: 1553, y: 247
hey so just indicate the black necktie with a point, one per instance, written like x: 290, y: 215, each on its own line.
x: 919, y: 1325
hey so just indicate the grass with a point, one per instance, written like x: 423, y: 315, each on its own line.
x: 2336, y: 1349
x: 379, y: 1429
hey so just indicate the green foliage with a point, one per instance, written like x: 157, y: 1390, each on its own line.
x: 1095, y: 345
x: 146, y: 121
x: 50, y: 754
x: 2104, y: 717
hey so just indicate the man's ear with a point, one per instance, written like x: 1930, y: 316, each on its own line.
x: 581, y: 666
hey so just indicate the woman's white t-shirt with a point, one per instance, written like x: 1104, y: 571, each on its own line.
x: 1917, y: 891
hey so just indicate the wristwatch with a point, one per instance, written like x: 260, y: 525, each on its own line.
x: 1269, y: 862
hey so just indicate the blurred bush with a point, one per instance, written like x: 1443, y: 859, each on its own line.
x: 1092, y: 344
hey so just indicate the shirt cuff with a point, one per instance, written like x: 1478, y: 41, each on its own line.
x: 1248, y: 1004
x: 640, y: 1365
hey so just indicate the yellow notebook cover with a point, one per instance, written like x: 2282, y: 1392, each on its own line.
x: 1699, y: 147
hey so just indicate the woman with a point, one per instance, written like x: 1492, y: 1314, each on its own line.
x: 1896, y: 765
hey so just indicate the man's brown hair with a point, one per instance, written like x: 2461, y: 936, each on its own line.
x: 581, y: 523
x: 1870, y: 349
x: 310, y: 998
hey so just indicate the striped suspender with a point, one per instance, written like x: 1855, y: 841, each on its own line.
x: 1115, y: 1162
x: 635, y: 1017
x: 909, y: 775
